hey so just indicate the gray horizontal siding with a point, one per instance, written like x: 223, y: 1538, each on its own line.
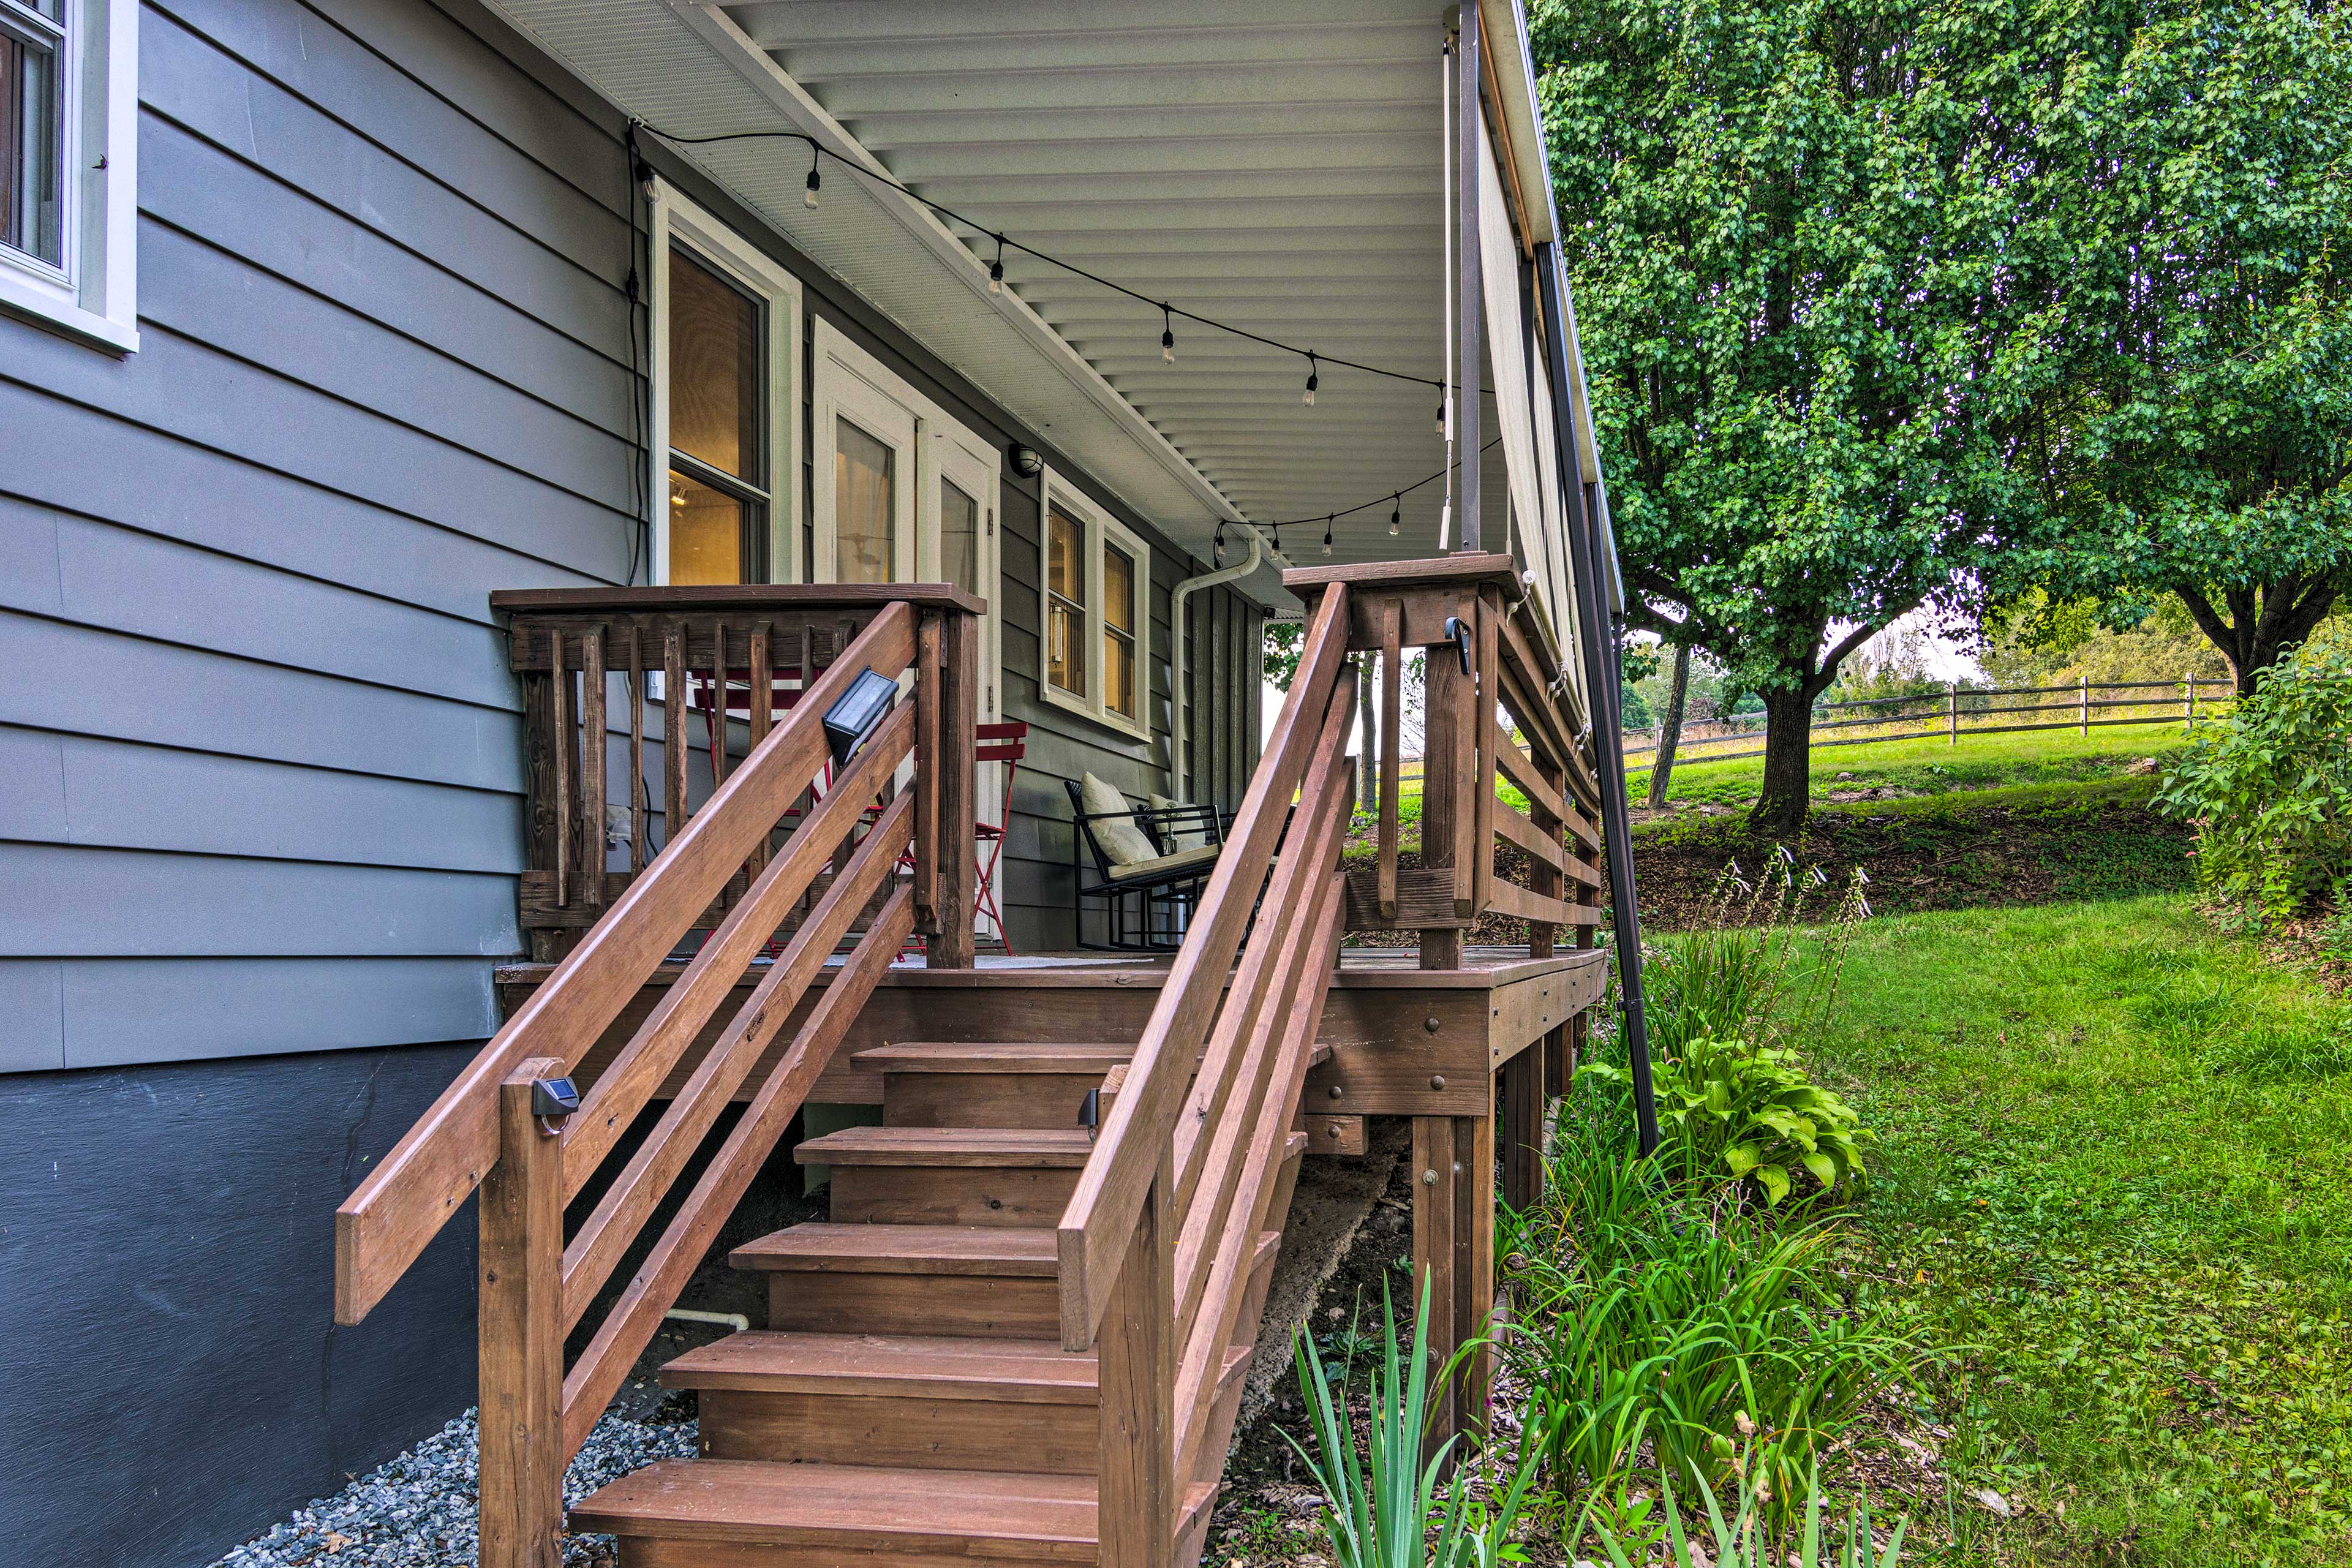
x: 231, y: 805
x: 129, y: 1011
x: 224, y: 503
x: 260, y: 756
x: 70, y: 902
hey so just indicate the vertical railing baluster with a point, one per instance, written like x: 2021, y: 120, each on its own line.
x: 562, y: 679
x: 957, y: 879
x: 674, y: 755
x: 636, y: 753
x: 592, y: 804
x: 759, y: 701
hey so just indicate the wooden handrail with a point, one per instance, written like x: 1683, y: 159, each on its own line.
x: 1100, y: 1219
x: 386, y: 1221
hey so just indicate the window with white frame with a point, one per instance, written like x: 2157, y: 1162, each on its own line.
x: 726, y: 334
x: 69, y: 166
x: 1096, y: 603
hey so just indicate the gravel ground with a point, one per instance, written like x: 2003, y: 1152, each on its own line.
x: 418, y: 1510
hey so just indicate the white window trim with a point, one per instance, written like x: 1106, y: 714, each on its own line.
x: 1100, y: 528
x: 676, y: 217
x: 846, y: 374
x: 94, y: 296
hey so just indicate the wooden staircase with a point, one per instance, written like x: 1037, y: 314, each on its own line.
x: 911, y: 1398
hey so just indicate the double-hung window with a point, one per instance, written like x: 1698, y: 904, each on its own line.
x: 69, y: 111
x: 1097, y: 602
x: 726, y: 416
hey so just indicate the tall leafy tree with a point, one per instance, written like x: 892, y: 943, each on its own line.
x: 1794, y: 232
x: 2198, y: 353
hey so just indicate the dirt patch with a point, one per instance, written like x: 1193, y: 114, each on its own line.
x: 1938, y: 852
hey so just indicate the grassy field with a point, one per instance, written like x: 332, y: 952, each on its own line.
x: 1931, y: 765
x: 2117, y: 1162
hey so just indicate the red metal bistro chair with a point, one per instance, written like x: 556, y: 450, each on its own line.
x: 1007, y: 744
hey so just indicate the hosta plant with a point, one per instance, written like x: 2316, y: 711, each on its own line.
x: 1733, y: 1108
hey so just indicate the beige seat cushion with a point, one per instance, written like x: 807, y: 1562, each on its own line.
x: 1123, y: 842
x: 1164, y: 864
x: 1187, y: 838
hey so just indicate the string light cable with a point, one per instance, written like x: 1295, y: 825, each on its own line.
x: 1169, y: 312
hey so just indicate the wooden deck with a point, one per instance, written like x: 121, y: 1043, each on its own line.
x: 1405, y: 1041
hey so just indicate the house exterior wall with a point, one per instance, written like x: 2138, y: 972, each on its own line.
x: 260, y: 759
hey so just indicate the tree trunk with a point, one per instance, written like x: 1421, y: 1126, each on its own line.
x: 2261, y: 623
x: 1787, y: 760
x: 1670, y: 734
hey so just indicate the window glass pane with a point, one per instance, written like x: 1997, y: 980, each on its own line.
x: 958, y: 537
x: 714, y: 370
x: 31, y: 129
x: 1065, y: 593
x: 1118, y: 632
x: 706, y: 532
x: 1118, y: 589
x: 865, y: 490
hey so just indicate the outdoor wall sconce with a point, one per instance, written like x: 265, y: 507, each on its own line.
x: 1026, y: 462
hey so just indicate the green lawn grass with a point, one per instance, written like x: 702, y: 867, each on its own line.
x: 1930, y: 765
x: 2117, y: 1166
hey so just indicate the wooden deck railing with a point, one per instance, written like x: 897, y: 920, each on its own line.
x: 721, y: 866
x: 1157, y: 1243
x: 1507, y: 672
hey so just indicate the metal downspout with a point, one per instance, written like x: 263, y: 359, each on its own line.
x: 1600, y: 671
x: 1179, y: 733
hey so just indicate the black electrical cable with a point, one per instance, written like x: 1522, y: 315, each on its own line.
x: 818, y: 151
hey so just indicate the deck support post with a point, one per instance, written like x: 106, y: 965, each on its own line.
x: 1446, y: 809
x: 520, y: 1334
x: 950, y: 737
x: 1137, y: 1350
x: 1522, y: 1115
x: 1454, y: 1250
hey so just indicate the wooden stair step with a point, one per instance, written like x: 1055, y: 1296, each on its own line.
x: 900, y: 1365
x: 902, y: 1400
x: 992, y: 1148
x: 803, y: 1516
x: 901, y: 1249
x: 951, y: 1176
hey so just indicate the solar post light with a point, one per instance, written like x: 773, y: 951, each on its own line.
x: 850, y: 722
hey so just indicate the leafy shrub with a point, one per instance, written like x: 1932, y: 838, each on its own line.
x: 1728, y: 1107
x: 2269, y: 789
x: 1382, y: 1502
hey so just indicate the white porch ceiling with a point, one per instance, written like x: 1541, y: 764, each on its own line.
x: 1276, y: 163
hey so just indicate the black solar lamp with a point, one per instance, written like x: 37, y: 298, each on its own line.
x: 850, y: 722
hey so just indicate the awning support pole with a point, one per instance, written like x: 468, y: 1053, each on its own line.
x: 1601, y: 679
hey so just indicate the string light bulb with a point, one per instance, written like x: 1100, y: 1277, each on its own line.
x: 1217, y: 545
x: 996, y: 269
x: 1326, y: 536
x: 1441, y: 418
x: 1396, y: 513
x: 808, y: 198
x: 1311, y: 379
x: 1167, y: 336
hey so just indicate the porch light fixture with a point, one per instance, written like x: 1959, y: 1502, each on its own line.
x: 815, y: 180
x: 851, y: 721
x: 1311, y: 379
x: 1026, y: 462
